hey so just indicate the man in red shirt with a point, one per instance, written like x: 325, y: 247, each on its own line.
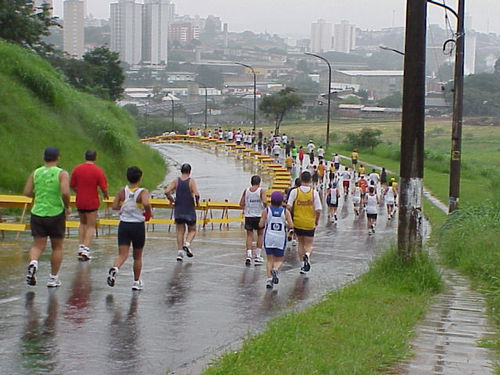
x: 85, y: 180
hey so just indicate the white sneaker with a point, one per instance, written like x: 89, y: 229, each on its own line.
x: 31, y: 276
x: 53, y: 282
x: 258, y: 261
x: 84, y: 253
x: 180, y: 255
x: 113, y: 271
x: 137, y: 285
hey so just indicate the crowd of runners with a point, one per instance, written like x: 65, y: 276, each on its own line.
x: 289, y: 220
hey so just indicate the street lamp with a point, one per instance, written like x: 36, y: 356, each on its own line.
x: 329, y: 94
x: 171, y: 97
x: 391, y: 49
x: 254, y: 92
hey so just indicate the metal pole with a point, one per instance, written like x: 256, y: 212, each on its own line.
x: 173, y: 113
x: 456, y: 127
x: 327, y: 142
x: 206, y: 107
x: 254, y: 92
x: 410, y: 226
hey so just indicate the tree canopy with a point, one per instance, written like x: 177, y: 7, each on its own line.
x: 22, y: 23
x: 277, y: 105
x: 365, y: 138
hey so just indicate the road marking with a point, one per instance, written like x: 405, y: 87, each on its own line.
x: 8, y: 300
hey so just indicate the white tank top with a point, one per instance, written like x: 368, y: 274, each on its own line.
x: 333, y: 195
x: 275, y: 233
x: 389, y: 195
x: 253, y: 203
x: 371, y: 204
x: 130, y: 210
x: 357, y: 192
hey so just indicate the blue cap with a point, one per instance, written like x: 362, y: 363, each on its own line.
x: 276, y: 198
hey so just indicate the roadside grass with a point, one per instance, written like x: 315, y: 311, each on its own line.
x: 469, y: 242
x: 363, y: 328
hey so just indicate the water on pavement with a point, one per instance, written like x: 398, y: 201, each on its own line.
x: 188, y: 312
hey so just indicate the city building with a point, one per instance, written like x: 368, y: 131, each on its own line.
x: 321, y: 36
x: 184, y: 32
x: 378, y: 83
x: 126, y: 30
x: 155, y: 23
x: 73, y: 31
x: 344, y: 37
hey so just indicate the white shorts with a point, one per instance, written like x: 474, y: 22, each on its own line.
x: 356, y: 200
x: 389, y: 201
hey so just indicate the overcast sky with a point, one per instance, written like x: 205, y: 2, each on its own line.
x: 294, y: 17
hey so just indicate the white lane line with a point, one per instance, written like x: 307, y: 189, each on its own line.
x: 8, y: 300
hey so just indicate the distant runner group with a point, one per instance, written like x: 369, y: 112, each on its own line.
x: 292, y: 217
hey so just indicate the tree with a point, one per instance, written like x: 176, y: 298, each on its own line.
x: 107, y: 73
x: 365, y: 138
x: 392, y: 101
x: 497, y: 66
x: 277, y: 105
x: 21, y: 23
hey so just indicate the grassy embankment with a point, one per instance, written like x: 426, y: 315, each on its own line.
x: 38, y: 109
x: 362, y: 329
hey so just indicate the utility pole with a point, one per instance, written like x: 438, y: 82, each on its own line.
x: 410, y: 229
x: 458, y: 101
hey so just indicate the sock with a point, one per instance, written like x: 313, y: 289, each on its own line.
x: 258, y: 252
x: 35, y: 263
x: 186, y: 244
x: 249, y: 253
x: 53, y: 276
x: 308, y: 255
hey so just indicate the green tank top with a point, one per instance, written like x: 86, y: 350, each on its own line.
x: 294, y: 151
x: 48, y: 200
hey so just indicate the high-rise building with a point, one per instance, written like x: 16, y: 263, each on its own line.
x: 155, y: 23
x: 344, y: 37
x: 321, y: 36
x: 126, y: 30
x: 74, y: 27
x: 184, y: 31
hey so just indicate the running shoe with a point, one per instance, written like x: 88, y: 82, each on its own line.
x: 294, y: 242
x: 53, y: 282
x: 302, y: 271
x: 269, y: 284
x: 248, y: 261
x: 274, y: 274
x: 113, y: 271
x: 83, y: 253
x: 137, y: 285
x: 307, y: 265
x: 188, y: 251
x: 258, y: 261
x: 31, y: 276
x: 180, y: 255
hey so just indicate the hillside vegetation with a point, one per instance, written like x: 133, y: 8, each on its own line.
x: 38, y: 109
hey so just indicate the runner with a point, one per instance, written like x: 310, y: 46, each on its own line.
x: 363, y: 185
x: 354, y: 159
x: 331, y: 172
x: 253, y: 200
x: 356, y: 198
x: 374, y: 176
x: 361, y: 170
x: 346, y: 181
x: 383, y: 178
x: 332, y: 200
x: 305, y: 204
x: 277, y: 152
x: 49, y: 187
x: 336, y: 161
x: 186, y: 196
x: 134, y: 206
x: 371, y: 202
x: 294, y: 153
x: 85, y: 180
x: 321, y: 173
x: 276, y: 219
x: 321, y: 153
x: 301, y: 156
x: 289, y: 163
x: 390, y: 195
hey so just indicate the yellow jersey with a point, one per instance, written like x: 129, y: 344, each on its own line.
x: 304, y: 216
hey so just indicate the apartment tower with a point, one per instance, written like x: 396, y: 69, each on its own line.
x: 73, y: 38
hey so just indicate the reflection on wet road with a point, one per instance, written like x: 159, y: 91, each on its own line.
x: 187, y: 312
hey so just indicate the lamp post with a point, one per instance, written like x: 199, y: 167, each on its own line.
x: 170, y: 96
x: 329, y: 94
x: 254, y: 92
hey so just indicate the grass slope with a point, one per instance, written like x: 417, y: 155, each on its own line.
x: 38, y: 109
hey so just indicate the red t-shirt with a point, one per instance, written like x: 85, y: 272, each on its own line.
x: 85, y: 179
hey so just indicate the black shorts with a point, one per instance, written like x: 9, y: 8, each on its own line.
x: 252, y: 223
x: 49, y: 226
x: 371, y: 216
x: 304, y: 232
x: 134, y: 233
x: 354, y: 161
x: 333, y: 204
x: 189, y: 223
x: 83, y: 211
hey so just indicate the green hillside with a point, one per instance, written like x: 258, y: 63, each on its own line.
x: 38, y: 109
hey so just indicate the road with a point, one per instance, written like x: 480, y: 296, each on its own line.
x: 188, y: 312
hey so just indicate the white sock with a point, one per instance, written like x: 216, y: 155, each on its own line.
x: 258, y: 252
x: 35, y: 263
x: 54, y: 276
x: 308, y: 255
x: 249, y: 253
x: 186, y: 244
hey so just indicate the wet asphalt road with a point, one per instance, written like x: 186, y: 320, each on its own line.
x: 188, y: 312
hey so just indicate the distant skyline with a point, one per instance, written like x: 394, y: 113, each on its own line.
x: 294, y: 17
